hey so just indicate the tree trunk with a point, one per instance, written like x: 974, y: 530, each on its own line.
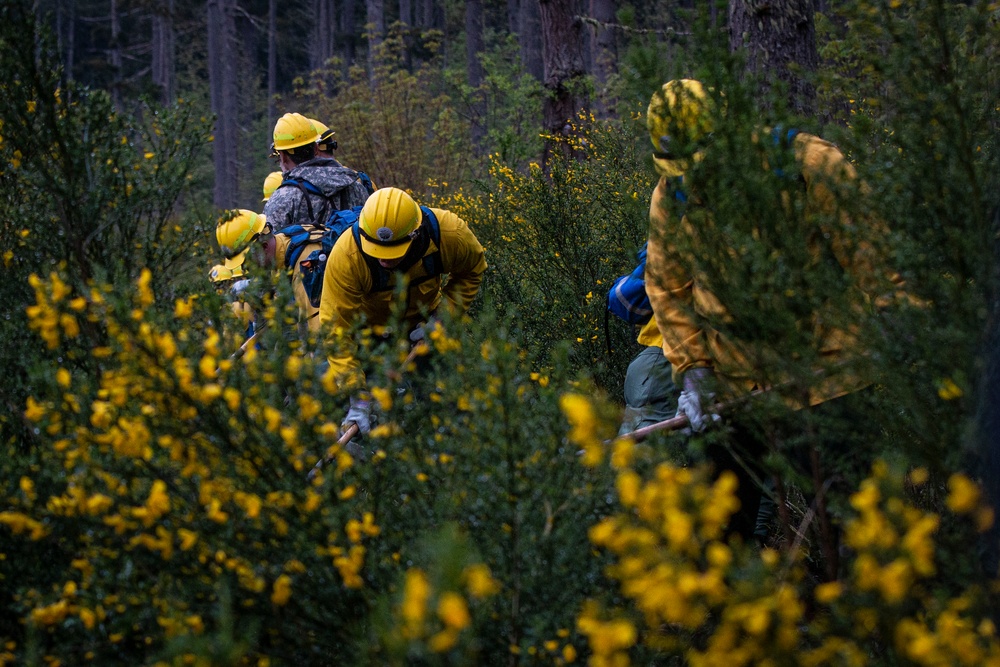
x: 473, y: 47
x: 375, y: 26
x: 530, y: 33
x: 115, y: 56
x: 224, y: 94
x: 163, y: 61
x: 70, y: 40
x: 776, y: 34
x: 406, y: 12
x: 272, y: 62
x: 562, y: 41
x: 324, y: 31
x: 603, y: 55
x: 513, y: 18
x: 349, y: 12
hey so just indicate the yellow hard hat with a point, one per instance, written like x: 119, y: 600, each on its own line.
x: 236, y: 235
x: 271, y: 184
x: 293, y: 130
x: 387, y: 222
x: 679, y: 118
x: 325, y: 142
x: 221, y: 273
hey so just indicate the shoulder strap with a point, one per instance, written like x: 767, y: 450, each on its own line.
x: 432, y: 262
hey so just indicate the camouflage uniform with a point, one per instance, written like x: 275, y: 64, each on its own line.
x: 291, y: 205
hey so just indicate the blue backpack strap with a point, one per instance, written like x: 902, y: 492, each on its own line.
x: 367, y: 182
x: 298, y: 239
x: 432, y: 262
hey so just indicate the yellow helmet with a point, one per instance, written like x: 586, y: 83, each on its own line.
x: 678, y: 118
x: 325, y: 142
x: 221, y: 273
x: 387, y: 222
x: 293, y: 130
x: 235, y: 236
x: 271, y: 184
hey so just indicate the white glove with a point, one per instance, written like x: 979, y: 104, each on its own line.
x: 695, y: 399
x: 419, y: 332
x: 239, y: 287
x: 360, y: 413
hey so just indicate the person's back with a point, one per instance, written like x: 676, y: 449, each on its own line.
x: 313, y: 186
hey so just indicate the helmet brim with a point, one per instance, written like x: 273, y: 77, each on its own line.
x: 387, y: 252
x: 236, y: 261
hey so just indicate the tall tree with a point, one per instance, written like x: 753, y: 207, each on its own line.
x: 224, y: 95
x: 562, y: 48
x: 115, y: 57
x: 777, y: 37
x: 474, y: 46
x: 375, y: 25
x: 163, y: 66
x: 324, y: 32
x: 602, y: 43
x: 272, y: 61
x: 530, y: 34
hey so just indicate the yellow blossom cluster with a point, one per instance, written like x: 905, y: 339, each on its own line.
x: 437, y: 618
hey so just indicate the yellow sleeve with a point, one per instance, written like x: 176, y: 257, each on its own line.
x: 345, y: 283
x: 830, y: 180
x: 462, y: 258
x: 671, y: 291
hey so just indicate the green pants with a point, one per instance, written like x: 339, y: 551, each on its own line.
x: 650, y: 394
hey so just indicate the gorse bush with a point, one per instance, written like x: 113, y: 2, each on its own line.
x: 157, y: 507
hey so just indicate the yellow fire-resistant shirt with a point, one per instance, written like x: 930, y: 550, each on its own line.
x: 348, y: 296
x: 683, y: 306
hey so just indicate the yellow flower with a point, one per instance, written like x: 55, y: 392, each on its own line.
x: 443, y: 641
x: 282, y: 590
x: 479, y: 581
x: 828, y: 592
x: 963, y: 494
x: 948, y: 390
x: 453, y: 611
x: 182, y: 308
x: 416, y: 591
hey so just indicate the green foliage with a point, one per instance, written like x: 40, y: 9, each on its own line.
x: 83, y: 187
x: 398, y: 126
x: 557, y: 235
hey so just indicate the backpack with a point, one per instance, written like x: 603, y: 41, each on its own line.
x: 627, y: 297
x: 308, y: 188
x: 313, y: 267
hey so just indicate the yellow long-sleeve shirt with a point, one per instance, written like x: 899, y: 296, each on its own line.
x: 683, y: 306
x: 348, y: 295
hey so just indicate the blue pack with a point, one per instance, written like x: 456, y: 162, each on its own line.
x: 334, y: 201
x: 627, y: 297
x: 313, y: 266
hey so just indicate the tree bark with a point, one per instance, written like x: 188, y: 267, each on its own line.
x: 349, y: 10
x: 530, y: 33
x: 163, y: 61
x: 324, y: 31
x: 375, y: 22
x: 224, y: 95
x: 778, y: 37
x: 70, y: 40
x: 272, y: 61
x: 115, y: 57
x: 513, y: 18
x: 603, y: 55
x: 406, y: 12
x: 474, y: 45
x: 562, y: 50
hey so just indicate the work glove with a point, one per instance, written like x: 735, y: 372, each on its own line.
x: 695, y: 399
x: 239, y: 287
x: 360, y: 413
x: 419, y: 333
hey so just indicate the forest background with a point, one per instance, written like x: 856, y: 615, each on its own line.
x: 162, y: 485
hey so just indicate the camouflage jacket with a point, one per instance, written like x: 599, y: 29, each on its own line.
x: 293, y: 205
